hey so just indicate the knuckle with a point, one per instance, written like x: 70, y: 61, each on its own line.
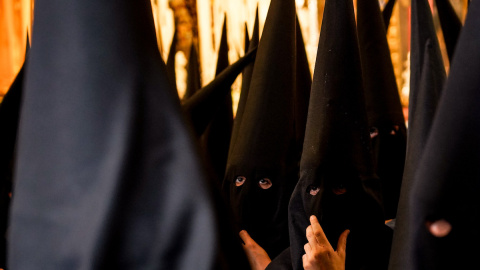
x: 248, y: 245
x: 321, y: 253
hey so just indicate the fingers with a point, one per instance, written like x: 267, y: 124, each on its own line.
x: 305, y: 262
x: 256, y: 255
x: 247, y: 240
x: 307, y: 248
x: 312, y: 240
x: 318, y: 231
x: 342, y: 244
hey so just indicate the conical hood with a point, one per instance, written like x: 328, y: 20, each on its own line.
x: 384, y: 110
x: 446, y: 183
x: 216, y: 139
x: 222, y: 59
x: 336, y: 171
x: 105, y: 163
x: 302, y: 89
x: 246, y: 78
x: 171, y: 61
x: 451, y: 25
x: 387, y: 12
x: 193, y: 74
x: 247, y: 39
x: 426, y: 83
x: 9, y: 119
x: 201, y: 108
x: 261, y: 170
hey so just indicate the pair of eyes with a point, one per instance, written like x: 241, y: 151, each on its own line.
x: 263, y: 183
x: 374, y: 131
x: 339, y: 190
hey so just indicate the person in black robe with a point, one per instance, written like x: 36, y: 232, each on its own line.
x: 337, y: 180
x: 262, y: 169
x: 426, y: 83
x: 384, y: 110
x: 445, y: 209
x: 107, y: 173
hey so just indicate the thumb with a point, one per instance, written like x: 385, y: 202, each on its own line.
x: 342, y: 244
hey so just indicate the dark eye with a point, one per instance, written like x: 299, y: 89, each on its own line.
x: 394, y: 130
x: 373, y: 132
x: 313, y: 190
x: 339, y: 189
x: 265, y: 183
x: 240, y: 180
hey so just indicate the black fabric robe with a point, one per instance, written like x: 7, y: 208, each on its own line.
x: 107, y: 174
x: 337, y: 181
x: 426, y: 83
x: 447, y: 181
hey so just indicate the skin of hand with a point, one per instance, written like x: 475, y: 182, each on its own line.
x: 319, y: 254
x: 256, y: 255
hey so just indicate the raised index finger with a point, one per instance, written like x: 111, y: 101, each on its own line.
x: 318, y: 232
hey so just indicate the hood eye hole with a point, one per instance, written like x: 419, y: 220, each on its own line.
x: 313, y: 190
x: 339, y: 190
x: 265, y: 183
x: 439, y: 228
x: 394, y: 130
x: 373, y: 132
x: 240, y: 180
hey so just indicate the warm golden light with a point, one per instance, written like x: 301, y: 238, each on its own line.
x: 200, y: 22
x: 15, y: 21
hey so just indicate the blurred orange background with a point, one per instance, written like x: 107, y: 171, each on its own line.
x: 15, y: 22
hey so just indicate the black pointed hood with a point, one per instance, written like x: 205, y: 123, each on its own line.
x: 426, y: 82
x: 171, y: 61
x: 246, y: 78
x: 216, y: 139
x: 387, y: 12
x: 9, y: 120
x: 247, y: 39
x: 107, y: 175
x: 10, y: 116
x: 337, y: 182
x: 261, y: 170
x: 384, y: 109
x: 447, y: 182
x: 302, y: 89
x: 222, y: 59
x: 193, y: 74
x: 451, y: 25
x: 201, y: 107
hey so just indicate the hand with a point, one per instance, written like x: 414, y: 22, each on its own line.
x: 256, y: 255
x: 319, y: 253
